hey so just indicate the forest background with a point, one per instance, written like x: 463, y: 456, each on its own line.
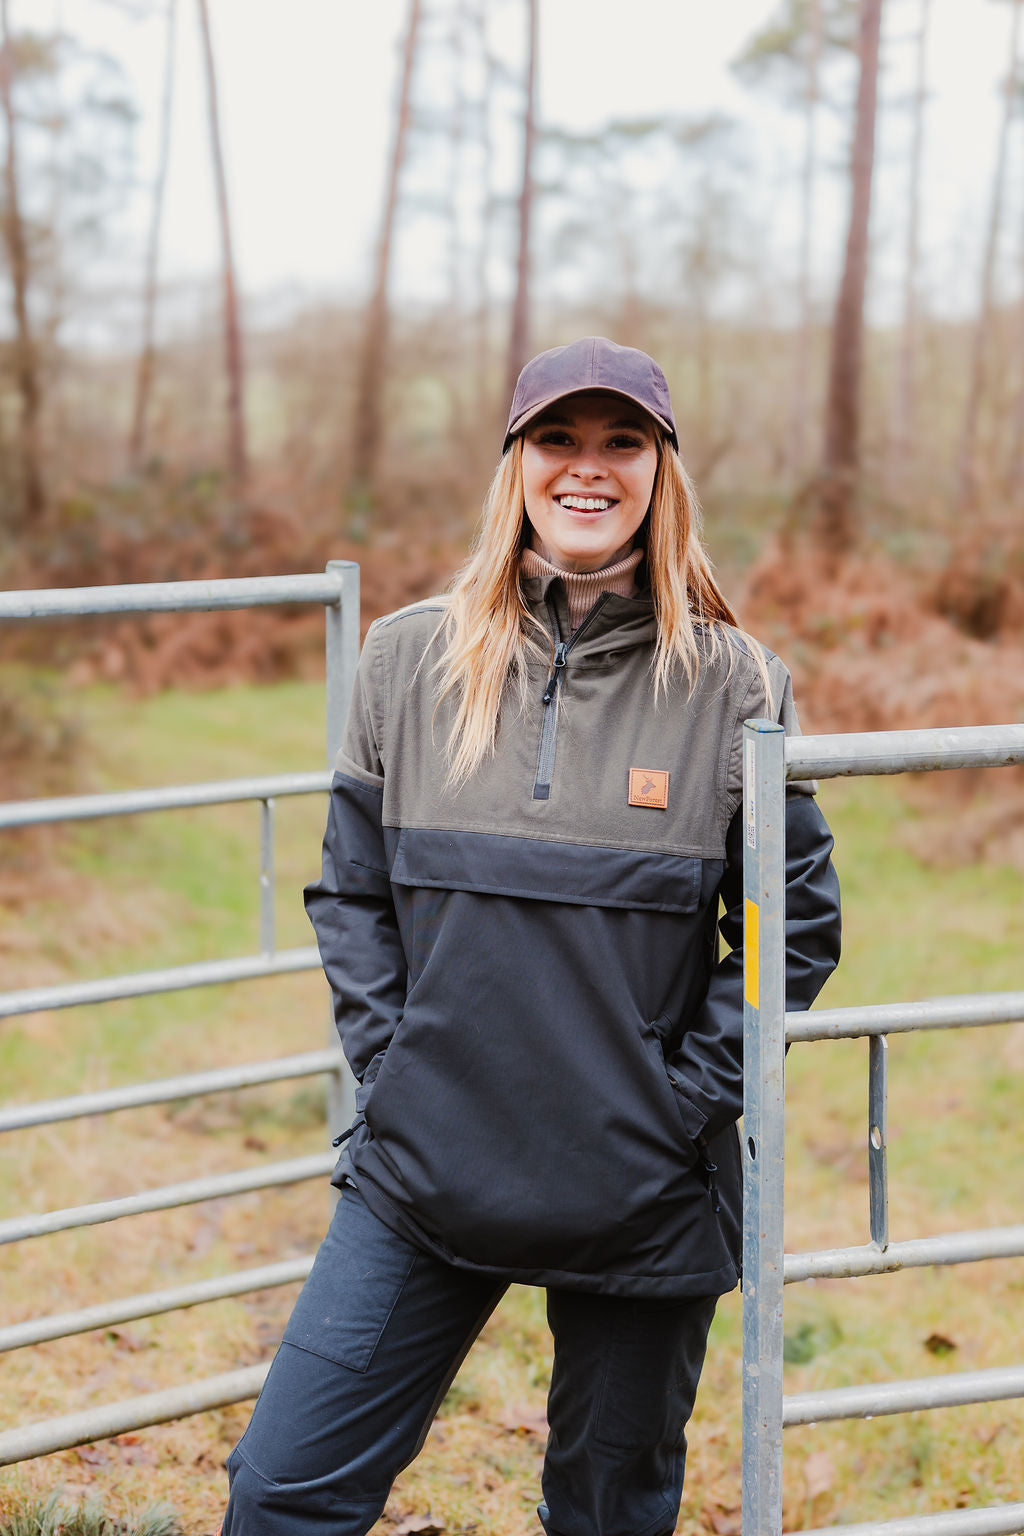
x: 829, y: 266
x: 812, y: 213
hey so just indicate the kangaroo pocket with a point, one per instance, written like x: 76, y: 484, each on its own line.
x: 522, y: 1117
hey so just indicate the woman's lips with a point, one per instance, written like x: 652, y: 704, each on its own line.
x: 586, y: 506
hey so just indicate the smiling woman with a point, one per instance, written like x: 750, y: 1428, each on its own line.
x: 588, y: 479
x: 520, y: 935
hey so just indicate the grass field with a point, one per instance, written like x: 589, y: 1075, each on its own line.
x: 137, y: 893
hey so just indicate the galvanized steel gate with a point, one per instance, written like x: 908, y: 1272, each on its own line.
x: 337, y: 589
x: 770, y: 759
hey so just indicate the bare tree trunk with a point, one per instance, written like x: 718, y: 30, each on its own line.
x: 841, y: 466
x: 519, y: 337
x: 48, y: 333
x: 700, y: 284
x: 25, y: 360
x: 457, y: 42
x: 798, y: 421
x: 901, y: 445
x: 1015, y: 463
x: 375, y: 335
x: 967, y: 467
x: 237, y: 453
x: 147, y: 357
x: 483, y: 253
x: 462, y: 434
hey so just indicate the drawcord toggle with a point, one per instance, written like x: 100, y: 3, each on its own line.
x: 337, y: 1141
x: 710, y: 1170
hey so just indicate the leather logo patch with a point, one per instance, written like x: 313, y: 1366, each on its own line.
x: 649, y: 786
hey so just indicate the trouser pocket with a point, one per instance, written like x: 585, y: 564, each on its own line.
x: 358, y: 1259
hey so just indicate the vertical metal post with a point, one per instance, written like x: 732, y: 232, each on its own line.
x: 878, y: 1116
x: 764, y: 1035
x: 342, y: 651
x: 342, y: 637
x: 267, y: 939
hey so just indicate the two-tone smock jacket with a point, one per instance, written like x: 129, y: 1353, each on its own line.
x: 525, y: 970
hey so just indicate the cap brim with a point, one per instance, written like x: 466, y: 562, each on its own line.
x: 515, y: 427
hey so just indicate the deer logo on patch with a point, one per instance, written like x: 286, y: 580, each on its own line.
x: 649, y: 787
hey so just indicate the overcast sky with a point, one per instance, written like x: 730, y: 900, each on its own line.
x: 307, y: 91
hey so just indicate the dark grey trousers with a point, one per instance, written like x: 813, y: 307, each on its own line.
x: 373, y: 1344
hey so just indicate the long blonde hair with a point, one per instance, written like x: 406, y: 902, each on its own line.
x: 489, y: 631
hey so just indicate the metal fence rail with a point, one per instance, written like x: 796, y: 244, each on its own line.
x: 1002, y: 1520
x: 273, y: 786
x: 121, y: 1418
x: 337, y: 590
x: 165, y: 1198
x: 174, y: 978
x: 865, y: 1402
x: 770, y: 760
x: 190, y: 1085
x: 107, y: 1314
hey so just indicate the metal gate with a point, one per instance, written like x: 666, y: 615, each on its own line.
x: 770, y: 759
x: 337, y: 589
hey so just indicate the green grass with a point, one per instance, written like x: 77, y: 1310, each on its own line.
x: 149, y: 891
x: 53, y: 1517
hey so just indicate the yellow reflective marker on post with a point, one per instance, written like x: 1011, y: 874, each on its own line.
x: 751, y: 953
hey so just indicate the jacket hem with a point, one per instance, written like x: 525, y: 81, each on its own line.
x: 668, y: 1287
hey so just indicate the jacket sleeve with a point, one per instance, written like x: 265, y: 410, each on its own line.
x: 351, y: 906
x: 707, y: 1069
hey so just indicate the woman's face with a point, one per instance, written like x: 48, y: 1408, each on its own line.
x: 589, y: 463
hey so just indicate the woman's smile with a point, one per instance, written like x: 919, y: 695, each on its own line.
x: 586, y: 504
x: 588, y: 476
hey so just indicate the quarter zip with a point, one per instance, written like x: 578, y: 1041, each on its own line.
x: 549, y: 730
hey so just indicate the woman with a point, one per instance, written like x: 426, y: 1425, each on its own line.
x: 533, y: 819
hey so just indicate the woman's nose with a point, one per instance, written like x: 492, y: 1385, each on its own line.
x: 588, y: 466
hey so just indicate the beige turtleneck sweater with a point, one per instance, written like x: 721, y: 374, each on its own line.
x: 583, y: 588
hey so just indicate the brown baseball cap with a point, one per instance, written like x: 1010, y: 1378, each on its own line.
x: 592, y: 365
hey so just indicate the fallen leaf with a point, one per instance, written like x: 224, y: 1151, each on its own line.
x: 525, y: 1421
x: 819, y: 1473
x: 132, y: 1453
x: 126, y: 1338
x: 79, y: 1488
x: 726, y: 1522
x: 255, y: 1143
x: 93, y: 1455
x: 938, y: 1344
x: 419, y: 1525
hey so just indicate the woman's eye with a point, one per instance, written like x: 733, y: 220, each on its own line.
x: 553, y: 438
x: 634, y: 443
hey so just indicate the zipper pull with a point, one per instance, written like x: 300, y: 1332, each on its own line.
x: 561, y: 651
x: 337, y: 1140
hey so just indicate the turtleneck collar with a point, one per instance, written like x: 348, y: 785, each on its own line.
x: 583, y: 588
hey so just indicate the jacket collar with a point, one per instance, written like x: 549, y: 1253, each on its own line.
x: 621, y: 623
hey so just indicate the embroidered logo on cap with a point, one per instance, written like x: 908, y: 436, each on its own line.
x: 649, y: 786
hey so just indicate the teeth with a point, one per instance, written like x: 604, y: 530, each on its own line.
x: 585, y: 503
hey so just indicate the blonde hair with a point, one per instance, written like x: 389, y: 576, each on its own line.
x: 488, y: 630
